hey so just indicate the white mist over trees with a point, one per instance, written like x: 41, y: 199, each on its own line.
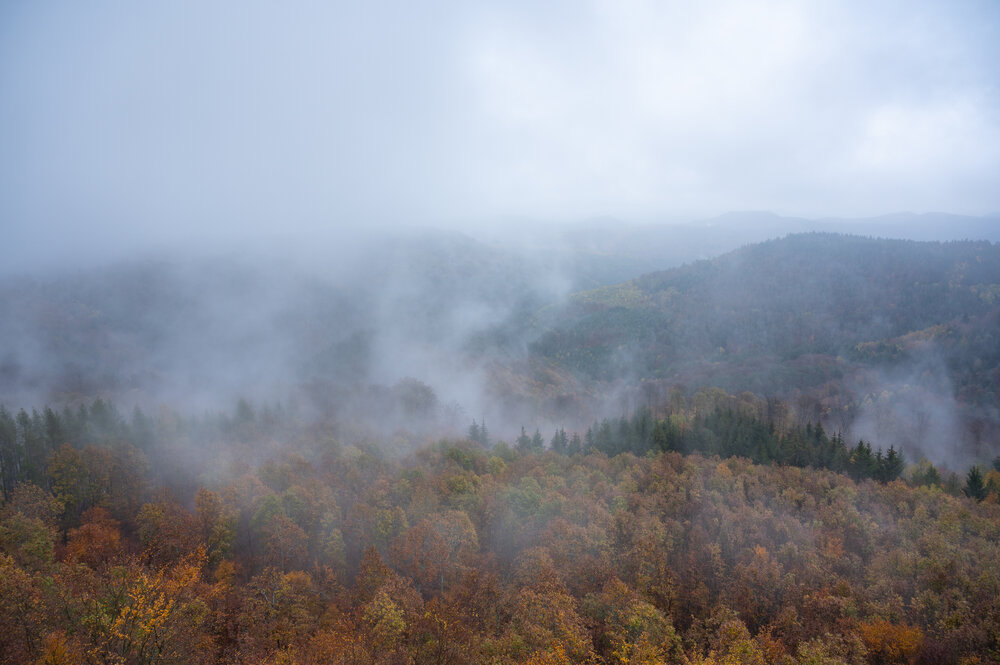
x: 459, y: 333
x: 889, y: 341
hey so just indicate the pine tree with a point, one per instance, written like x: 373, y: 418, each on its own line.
x: 863, y: 463
x: 888, y: 466
x: 10, y: 453
x: 975, y: 487
x: 54, y: 430
x: 604, y: 440
x: 556, y: 445
x: 523, y: 441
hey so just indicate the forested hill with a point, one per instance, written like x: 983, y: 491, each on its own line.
x: 367, y: 309
x: 893, y: 341
x: 830, y: 320
x: 804, y: 294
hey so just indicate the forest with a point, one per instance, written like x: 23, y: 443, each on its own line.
x: 500, y: 333
x: 463, y: 454
x: 893, y: 341
x: 704, y: 531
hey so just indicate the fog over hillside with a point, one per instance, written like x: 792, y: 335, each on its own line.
x: 581, y: 332
x: 426, y: 331
x: 350, y: 208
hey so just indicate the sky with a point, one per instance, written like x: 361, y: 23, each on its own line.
x: 127, y: 123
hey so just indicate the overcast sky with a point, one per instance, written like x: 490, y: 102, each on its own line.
x: 192, y: 120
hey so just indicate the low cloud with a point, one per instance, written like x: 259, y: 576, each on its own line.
x: 188, y: 124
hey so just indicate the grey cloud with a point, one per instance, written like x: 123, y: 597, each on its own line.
x: 129, y: 125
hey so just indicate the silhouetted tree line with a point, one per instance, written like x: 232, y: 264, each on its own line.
x: 28, y: 440
x: 729, y: 433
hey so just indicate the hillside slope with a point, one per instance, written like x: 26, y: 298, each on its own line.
x: 830, y: 320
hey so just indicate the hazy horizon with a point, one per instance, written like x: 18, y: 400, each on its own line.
x: 128, y: 127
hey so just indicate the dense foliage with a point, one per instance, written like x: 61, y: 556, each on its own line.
x: 282, y: 545
x: 897, y: 335
x: 890, y: 340
x: 700, y: 527
x: 809, y: 294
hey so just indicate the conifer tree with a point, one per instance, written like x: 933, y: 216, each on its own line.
x: 523, y: 441
x: 975, y: 487
x: 560, y: 442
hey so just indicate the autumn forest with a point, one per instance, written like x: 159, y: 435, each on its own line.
x: 236, y: 462
x: 500, y: 333
x: 698, y: 534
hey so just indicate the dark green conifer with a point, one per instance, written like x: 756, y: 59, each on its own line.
x: 523, y: 441
x: 975, y: 486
